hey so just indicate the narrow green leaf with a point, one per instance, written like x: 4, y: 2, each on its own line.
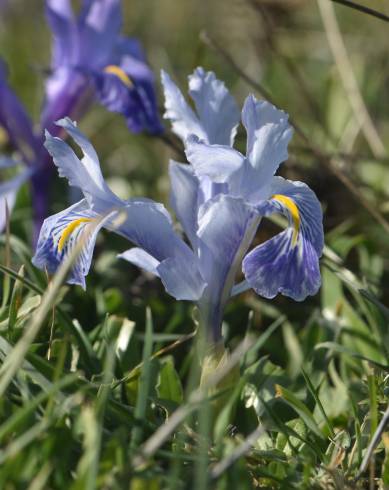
x: 371, y: 381
x: 313, y: 392
x: 19, y: 417
x: 16, y: 299
x: 344, y: 350
x: 300, y: 408
x: 144, y: 384
x: 385, y: 464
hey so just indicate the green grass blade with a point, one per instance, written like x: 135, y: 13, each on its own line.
x: 144, y: 385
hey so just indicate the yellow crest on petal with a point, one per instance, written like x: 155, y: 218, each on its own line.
x: 120, y: 73
x: 293, y: 211
x: 69, y: 230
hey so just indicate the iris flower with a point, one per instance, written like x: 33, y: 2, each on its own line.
x: 90, y: 59
x: 219, y: 199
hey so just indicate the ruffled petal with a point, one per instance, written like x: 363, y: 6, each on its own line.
x: 85, y: 173
x: 184, y: 120
x: 215, y: 161
x: 99, y: 25
x: 217, y: 110
x: 184, y: 197
x: 289, y: 262
x: 268, y: 136
x: 59, y: 235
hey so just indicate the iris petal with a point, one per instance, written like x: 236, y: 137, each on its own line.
x: 61, y: 20
x: 59, y: 235
x: 99, y: 25
x: 184, y: 120
x: 85, y: 173
x: 215, y: 161
x: 140, y: 258
x: 289, y: 262
x: 129, y: 89
x: 279, y: 267
x: 184, y: 197
x: 148, y: 227
x: 67, y: 92
x: 216, y: 108
x: 217, y: 113
x: 164, y: 253
x: 268, y: 136
x: 226, y: 228
x: 181, y: 278
x: 256, y: 115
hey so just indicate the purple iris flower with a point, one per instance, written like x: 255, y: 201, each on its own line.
x: 219, y: 199
x: 90, y: 59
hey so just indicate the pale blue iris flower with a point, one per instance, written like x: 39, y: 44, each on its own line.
x: 147, y: 224
x: 219, y: 200
x: 222, y: 195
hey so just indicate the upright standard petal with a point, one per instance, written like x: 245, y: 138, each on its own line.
x: 99, y: 25
x: 85, y: 174
x: 66, y: 88
x: 184, y: 120
x: 59, y: 235
x: 217, y: 110
x: 289, y: 262
x: 268, y: 136
x: 61, y: 20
